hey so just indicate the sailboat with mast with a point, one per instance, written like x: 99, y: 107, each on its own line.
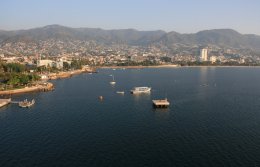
x: 113, y: 82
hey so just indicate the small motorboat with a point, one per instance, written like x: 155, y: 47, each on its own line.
x: 120, y: 92
x: 100, y: 98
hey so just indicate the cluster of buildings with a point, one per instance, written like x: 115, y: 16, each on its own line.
x: 54, y: 53
x: 50, y: 63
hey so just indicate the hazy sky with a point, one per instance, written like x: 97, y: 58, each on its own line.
x: 184, y: 16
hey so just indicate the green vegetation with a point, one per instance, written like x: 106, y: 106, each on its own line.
x: 14, y: 75
x: 76, y: 64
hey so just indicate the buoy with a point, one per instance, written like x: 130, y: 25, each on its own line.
x: 100, y: 97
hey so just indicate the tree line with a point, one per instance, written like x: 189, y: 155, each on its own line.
x: 15, y: 75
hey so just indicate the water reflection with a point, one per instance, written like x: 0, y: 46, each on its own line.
x: 203, y: 75
x: 145, y: 96
x: 161, y: 113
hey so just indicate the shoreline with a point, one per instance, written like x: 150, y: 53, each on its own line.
x: 138, y: 67
x: 167, y: 66
x: 68, y: 74
x: 48, y: 86
x: 39, y: 87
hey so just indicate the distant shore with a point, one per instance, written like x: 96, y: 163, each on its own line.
x: 165, y: 66
x: 137, y: 67
x: 67, y: 74
x: 224, y: 66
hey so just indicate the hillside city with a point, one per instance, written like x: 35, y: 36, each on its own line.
x: 55, y: 53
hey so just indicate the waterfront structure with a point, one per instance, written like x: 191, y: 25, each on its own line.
x: 45, y: 63
x: 4, y: 102
x: 213, y: 59
x: 50, y: 63
x: 58, y: 64
x: 204, y: 54
x: 164, y: 103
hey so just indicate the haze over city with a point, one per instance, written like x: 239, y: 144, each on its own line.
x: 186, y: 16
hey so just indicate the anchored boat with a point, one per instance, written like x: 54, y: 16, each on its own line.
x: 26, y: 103
x: 143, y: 89
x: 113, y: 82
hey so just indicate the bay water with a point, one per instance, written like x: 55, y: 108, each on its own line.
x: 213, y: 120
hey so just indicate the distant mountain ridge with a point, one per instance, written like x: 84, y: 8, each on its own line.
x: 219, y: 37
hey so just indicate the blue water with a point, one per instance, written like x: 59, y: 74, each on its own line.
x: 213, y: 120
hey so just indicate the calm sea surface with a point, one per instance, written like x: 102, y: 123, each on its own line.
x: 213, y: 120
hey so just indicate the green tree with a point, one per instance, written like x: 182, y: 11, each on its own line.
x: 14, y: 67
x: 14, y: 80
x: 23, y: 79
x: 66, y: 66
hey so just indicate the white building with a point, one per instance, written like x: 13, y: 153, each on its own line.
x: 213, y: 59
x: 45, y: 63
x: 58, y: 64
x: 203, y: 55
x: 50, y: 63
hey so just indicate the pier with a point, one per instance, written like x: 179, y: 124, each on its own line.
x: 4, y: 102
x: 161, y: 103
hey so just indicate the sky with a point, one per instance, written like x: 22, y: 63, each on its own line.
x: 183, y: 16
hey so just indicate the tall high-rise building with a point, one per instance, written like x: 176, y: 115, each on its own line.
x: 203, y: 55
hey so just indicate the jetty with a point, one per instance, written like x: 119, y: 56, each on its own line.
x: 164, y: 103
x: 4, y: 102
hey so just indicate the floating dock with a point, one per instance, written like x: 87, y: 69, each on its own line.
x: 164, y: 103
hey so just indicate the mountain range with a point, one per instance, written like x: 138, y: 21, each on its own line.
x: 218, y: 37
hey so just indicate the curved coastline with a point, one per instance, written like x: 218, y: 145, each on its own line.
x: 40, y: 87
x: 47, y: 86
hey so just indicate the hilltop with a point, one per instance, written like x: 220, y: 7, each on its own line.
x: 217, y: 37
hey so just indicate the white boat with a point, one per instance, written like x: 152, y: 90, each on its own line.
x: 113, y: 82
x: 4, y: 102
x: 143, y: 89
x: 120, y: 92
x: 26, y: 103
